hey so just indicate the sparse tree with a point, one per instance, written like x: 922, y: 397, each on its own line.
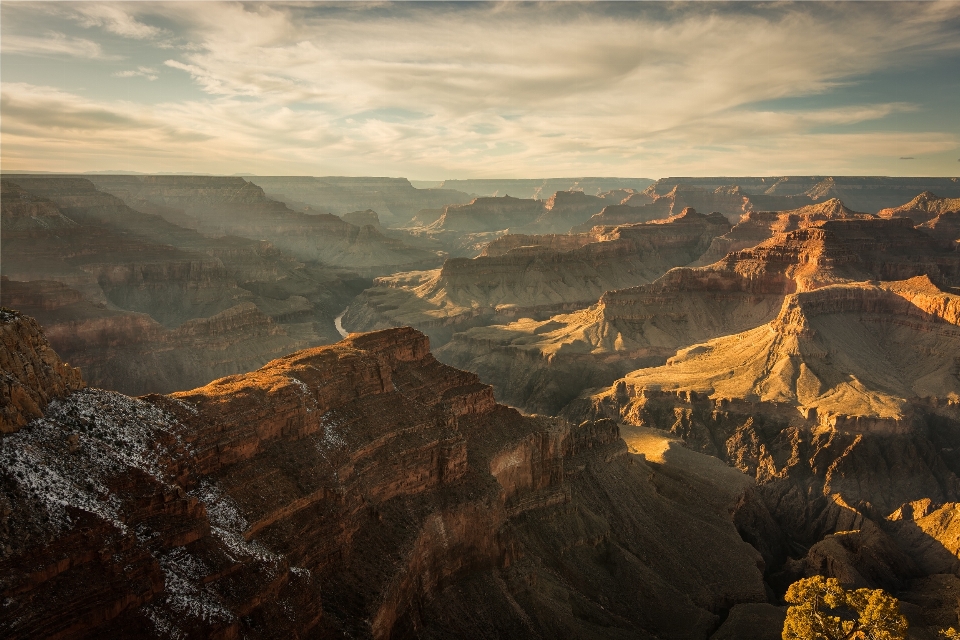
x: 823, y: 610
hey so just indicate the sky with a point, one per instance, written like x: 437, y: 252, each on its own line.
x: 431, y: 91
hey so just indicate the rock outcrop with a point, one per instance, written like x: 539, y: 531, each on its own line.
x: 846, y: 410
x: 542, y: 365
x: 359, y: 489
x: 31, y: 373
x: 940, y: 217
x: 731, y: 201
x: 757, y: 226
x: 541, y: 276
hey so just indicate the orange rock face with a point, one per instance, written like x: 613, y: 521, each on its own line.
x: 33, y: 374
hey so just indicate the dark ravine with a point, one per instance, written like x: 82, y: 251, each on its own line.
x: 359, y: 489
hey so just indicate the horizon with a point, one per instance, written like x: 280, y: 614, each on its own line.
x: 481, y: 90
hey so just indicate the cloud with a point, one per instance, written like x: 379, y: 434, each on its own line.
x: 114, y: 19
x: 518, y: 89
x: 146, y: 72
x: 54, y: 43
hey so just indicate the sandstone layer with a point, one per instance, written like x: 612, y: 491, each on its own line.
x: 542, y: 365
x: 359, y: 489
x: 532, y: 276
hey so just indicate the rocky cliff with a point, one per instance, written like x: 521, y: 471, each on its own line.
x: 359, y: 489
x: 757, y: 226
x: 846, y: 410
x: 541, y: 188
x: 940, y: 217
x: 542, y: 365
x: 731, y: 201
x: 543, y: 276
x: 32, y: 373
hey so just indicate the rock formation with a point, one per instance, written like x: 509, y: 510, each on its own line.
x: 542, y: 365
x: 145, y: 305
x: 757, y: 226
x: 532, y: 276
x: 233, y: 206
x: 870, y: 193
x: 393, y: 198
x: 538, y: 188
x: 940, y: 217
x: 359, y: 489
x: 846, y: 410
x: 31, y: 373
x: 362, y: 218
x: 463, y: 230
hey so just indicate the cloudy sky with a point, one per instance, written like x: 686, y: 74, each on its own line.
x: 433, y: 91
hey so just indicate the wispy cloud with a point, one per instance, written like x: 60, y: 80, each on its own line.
x: 114, y: 19
x: 54, y: 44
x: 146, y: 72
x: 520, y: 89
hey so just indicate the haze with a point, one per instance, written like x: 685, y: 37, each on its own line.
x: 434, y: 91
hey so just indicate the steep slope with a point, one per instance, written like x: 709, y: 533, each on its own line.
x: 542, y: 365
x: 757, y: 226
x: 144, y: 305
x: 360, y: 489
x: 233, y: 206
x: 940, y: 217
x: 923, y: 208
x: 31, y: 373
x: 545, y: 275
x: 462, y: 230
x: 846, y: 409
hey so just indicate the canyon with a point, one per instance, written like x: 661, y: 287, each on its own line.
x: 361, y: 488
x: 393, y: 412
x: 532, y: 276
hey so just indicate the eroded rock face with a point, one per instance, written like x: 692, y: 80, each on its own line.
x: 846, y: 410
x: 542, y: 365
x: 542, y: 276
x: 362, y: 489
x: 32, y: 373
x: 758, y: 226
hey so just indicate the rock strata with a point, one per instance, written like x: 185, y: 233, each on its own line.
x: 845, y: 409
x: 543, y: 364
x: 32, y: 373
x: 532, y: 276
x: 359, y: 489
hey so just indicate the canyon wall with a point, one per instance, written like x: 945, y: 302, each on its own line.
x: 546, y: 275
x: 359, y: 489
